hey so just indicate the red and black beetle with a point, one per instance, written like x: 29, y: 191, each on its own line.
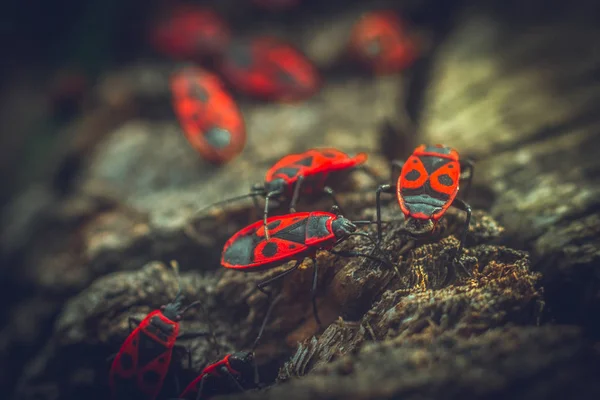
x: 303, y: 173
x: 234, y: 372
x: 209, y: 117
x: 190, y: 32
x: 381, y: 41
x: 269, y: 69
x: 139, y: 368
x: 294, y: 236
x: 427, y: 186
x: 231, y: 372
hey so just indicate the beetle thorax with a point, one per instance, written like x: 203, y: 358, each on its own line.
x: 242, y: 362
x: 276, y: 185
x: 342, y: 227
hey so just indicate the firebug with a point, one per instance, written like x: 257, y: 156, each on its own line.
x: 427, y: 186
x: 234, y: 372
x: 139, y: 368
x: 380, y: 41
x: 303, y: 174
x: 209, y: 117
x: 269, y: 69
x: 294, y: 236
x: 190, y: 32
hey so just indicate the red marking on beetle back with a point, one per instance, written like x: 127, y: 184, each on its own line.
x: 245, y: 249
x: 188, y: 32
x: 143, y: 360
x: 312, y: 163
x: 209, y: 117
x: 381, y: 41
x: 430, y: 177
x: 269, y: 69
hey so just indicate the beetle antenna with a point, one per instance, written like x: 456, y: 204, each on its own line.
x: 368, y: 222
x: 179, y: 295
x: 264, y: 323
x: 230, y: 200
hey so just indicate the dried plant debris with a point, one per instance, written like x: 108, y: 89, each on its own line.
x: 550, y: 362
x: 501, y: 291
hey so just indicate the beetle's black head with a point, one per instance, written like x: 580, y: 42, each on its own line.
x: 243, y: 362
x: 174, y: 309
x: 276, y: 185
x: 258, y: 188
x: 342, y: 227
x: 417, y: 228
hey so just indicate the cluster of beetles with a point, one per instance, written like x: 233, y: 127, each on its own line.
x: 427, y: 186
x: 267, y: 68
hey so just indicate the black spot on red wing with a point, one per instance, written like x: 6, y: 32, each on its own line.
x: 151, y: 377
x: 445, y: 180
x: 269, y: 250
x: 241, y: 252
x: 274, y: 224
x: 412, y: 175
x: 149, y: 349
x: 287, y: 171
x: 134, y: 342
x: 126, y: 361
x: 329, y: 154
x: 451, y: 166
x: 295, y: 232
x: 433, y: 163
x: 317, y: 227
x: 199, y: 93
x: 307, y: 162
x: 161, y: 360
x: 218, y: 138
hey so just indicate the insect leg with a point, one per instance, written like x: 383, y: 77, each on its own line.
x: 266, y: 211
x: 177, y: 387
x: 201, y: 387
x: 461, y: 205
x: 386, y: 189
x: 468, y: 168
x: 296, y: 193
x: 329, y: 191
x: 133, y: 323
x: 264, y: 323
x: 262, y: 284
x: 187, y: 351
x: 225, y: 371
x: 313, y: 292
